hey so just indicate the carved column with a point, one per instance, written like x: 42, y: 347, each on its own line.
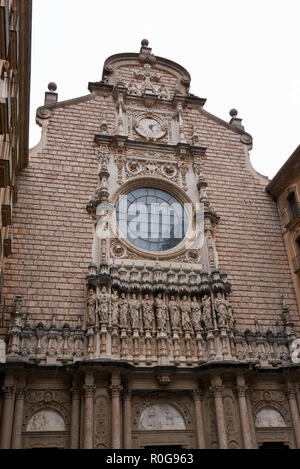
x: 217, y: 390
x: 291, y: 395
x: 75, y: 416
x: 241, y: 390
x: 7, y: 414
x: 16, y: 441
x: 251, y: 419
x: 127, y: 420
x: 115, y: 389
x: 197, y: 396
x: 88, y: 419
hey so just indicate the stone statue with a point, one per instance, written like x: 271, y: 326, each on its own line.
x: 185, y: 313
x: 115, y: 308
x: 174, y: 310
x: 103, y: 305
x: 163, y: 92
x: 132, y: 88
x: 206, y: 312
x: 148, y: 312
x: 161, y: 313
x: 134, y: 309
x: 229, y: 316
x: 221, y: 309
x: 196, y: 314
x: 91, y: 306
x: 123, y: 310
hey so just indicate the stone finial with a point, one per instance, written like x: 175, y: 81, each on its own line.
x: 51, y: 95
x: 52, y: 86
x: 145, y: 52
x: 235, y: 121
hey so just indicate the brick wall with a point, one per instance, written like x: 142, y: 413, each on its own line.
x: 53, y: 232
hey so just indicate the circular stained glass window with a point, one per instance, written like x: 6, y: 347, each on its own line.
x: 152, y: 219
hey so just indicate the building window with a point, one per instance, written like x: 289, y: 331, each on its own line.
x: 293, y: 205
x: 152, y: 219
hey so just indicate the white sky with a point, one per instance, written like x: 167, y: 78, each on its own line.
x: 240, y: 53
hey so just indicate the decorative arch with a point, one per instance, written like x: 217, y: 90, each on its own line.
x: 161, y: 416
x: 163, y: 399
x: 55, y: 407
x: 46, y: 420
x: 270, y: 404
x: 269, y: 417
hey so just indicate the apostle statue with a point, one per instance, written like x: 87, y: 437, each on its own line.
x: 103, y: 305
x: 196, y: 314
x: 161, y: 313
x: 185, y: 313
x: 91, y: 306
x: 123, y: 311
x: 221, y: 309
x: 174, y: 311
x: 114, y: 308
x: 147, y: 312
x: 206, y: 312
x: 134, y: 310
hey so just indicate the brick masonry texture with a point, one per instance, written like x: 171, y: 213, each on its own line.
x: 53, y: 232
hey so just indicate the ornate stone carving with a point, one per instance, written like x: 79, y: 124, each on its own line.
x: 47, y: 420
x: 269, y: 417
x: 91, y: 306
x: 148, y: 313
x: 206, y: 312
x: 123, y: 310
x: 103, y: 299
x: 185, y: 313
x: 102, y: 423
x: 134, y: 311
x: 161, y: 312
x: 161, y: 417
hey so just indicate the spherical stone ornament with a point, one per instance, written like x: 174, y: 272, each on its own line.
x: 233, y: 112
x: 145, y: 42
x: 52, y: 86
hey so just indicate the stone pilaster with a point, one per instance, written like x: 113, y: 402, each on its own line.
x: 251, y: 420
x: 197, y: 396
x: 16, y: 441
x: 290, y: 392
x: 241, y: 391
x: 7, y: 414
x: 75, y: 416
x: 127, y: 419
x: 217, y: 390
x: 115, y: 390
x: 88, y: 418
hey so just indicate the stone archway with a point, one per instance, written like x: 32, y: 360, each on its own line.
x: 162, y: 419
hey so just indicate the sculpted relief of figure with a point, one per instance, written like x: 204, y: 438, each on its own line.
x: 115, y: 308
x: 206, y: 312
x: 196, y: 314
x: 103, y: 305
x: 134, y: 309
x: 185, y: 313
x: 221, y: 309
x: 91, y: 306
x: 161, y: 311
x: 229, y: 316
x: 174, y: 310
x: 148, y: 312
x: 123, y: 310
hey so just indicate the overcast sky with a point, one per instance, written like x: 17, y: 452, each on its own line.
x: 240, y: 53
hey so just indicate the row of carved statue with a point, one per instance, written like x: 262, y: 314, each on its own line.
x: 160, y: 312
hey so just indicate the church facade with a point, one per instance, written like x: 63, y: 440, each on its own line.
x: 150, y: 300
